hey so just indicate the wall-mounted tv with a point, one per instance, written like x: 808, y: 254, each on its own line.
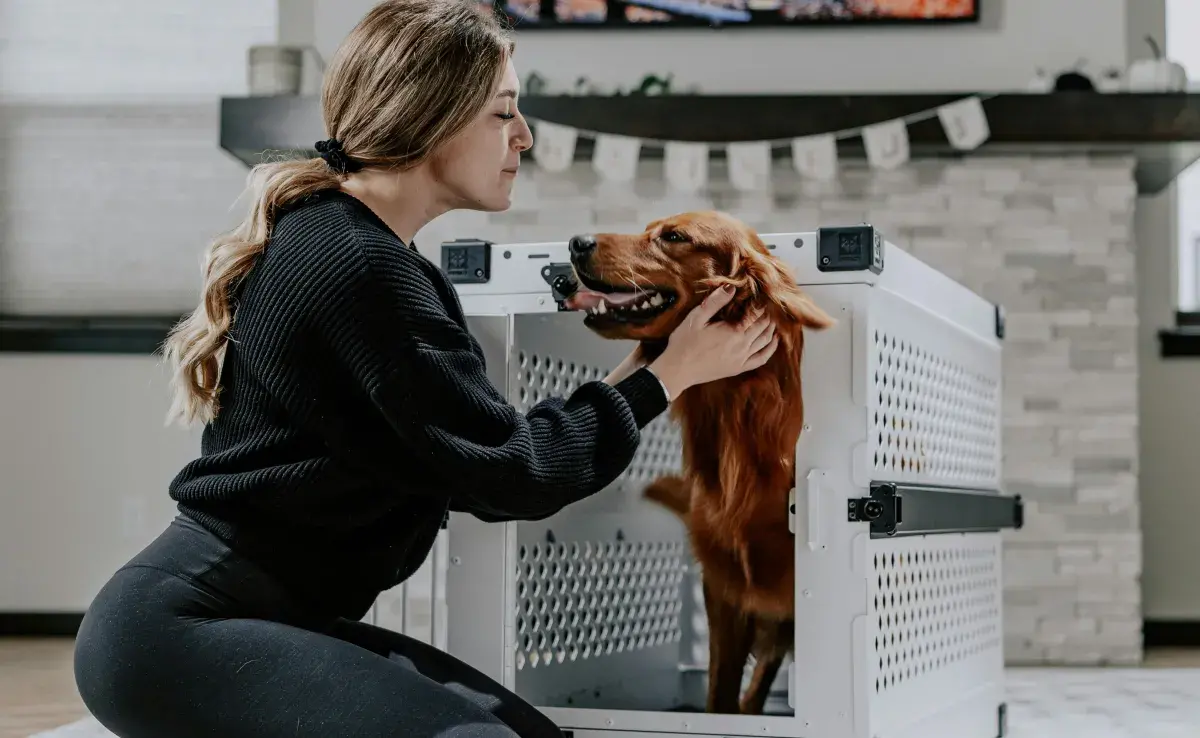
x: 564, y: 14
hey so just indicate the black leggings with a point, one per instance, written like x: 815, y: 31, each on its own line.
x: 188, y: 640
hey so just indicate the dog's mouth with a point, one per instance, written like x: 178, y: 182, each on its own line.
x: 618, y: 304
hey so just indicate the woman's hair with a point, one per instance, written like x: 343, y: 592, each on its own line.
x: 409, y: 77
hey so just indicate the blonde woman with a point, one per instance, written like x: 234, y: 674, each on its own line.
x: 347, y: 410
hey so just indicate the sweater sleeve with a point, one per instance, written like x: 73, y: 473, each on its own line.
x: 495, y: 462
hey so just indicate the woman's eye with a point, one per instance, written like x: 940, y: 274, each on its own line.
x: 506, y: 116
x: 672, y: 237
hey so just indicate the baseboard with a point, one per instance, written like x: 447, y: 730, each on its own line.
x: 64, y: 624
x: 1171, y: 633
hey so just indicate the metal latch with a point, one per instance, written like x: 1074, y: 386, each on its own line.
x: 561, y: 278
x: 882, y: 509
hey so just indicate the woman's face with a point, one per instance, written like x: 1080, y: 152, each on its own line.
x: 479, y: 166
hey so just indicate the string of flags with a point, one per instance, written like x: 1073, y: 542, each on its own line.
x: 685, y: 163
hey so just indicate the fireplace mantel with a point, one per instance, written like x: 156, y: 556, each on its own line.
x: 1162, y: 131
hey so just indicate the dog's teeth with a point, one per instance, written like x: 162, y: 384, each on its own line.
x: 644, y: 306
x: 656, y: 300
x: 601, y: 309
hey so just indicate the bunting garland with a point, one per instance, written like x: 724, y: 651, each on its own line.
x: 685, y: 163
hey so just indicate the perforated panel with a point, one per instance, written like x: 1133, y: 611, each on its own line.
x: 934, y: 615
x: 538, y: 377
x: 935, y: 402
x: 598, y: 589
x: 583, y: 600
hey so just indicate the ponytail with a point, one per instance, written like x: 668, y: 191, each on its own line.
x: 195, y: 347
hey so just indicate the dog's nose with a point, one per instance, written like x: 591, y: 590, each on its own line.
x: 582, y: 245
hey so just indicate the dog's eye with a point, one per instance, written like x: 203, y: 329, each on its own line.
x: 672, y: 237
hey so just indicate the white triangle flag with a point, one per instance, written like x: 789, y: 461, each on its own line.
x: 965, y: 123
x: 615, y: 158
x: 685, y: 165
x: 886, y: 144
x: 815, y: 156
x: 554, y: 146
x: 749, y: 164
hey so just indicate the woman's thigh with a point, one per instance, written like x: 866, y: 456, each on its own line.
x: 149, y: 671
x: 451, y: 673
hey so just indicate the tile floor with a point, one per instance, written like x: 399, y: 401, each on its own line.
x: 1160, y: 700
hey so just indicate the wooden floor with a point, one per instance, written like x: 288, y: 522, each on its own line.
x: 37, y: 688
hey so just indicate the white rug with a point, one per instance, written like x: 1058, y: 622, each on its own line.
x: 1042, y: 703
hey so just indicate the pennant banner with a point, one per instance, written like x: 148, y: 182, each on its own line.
x: 749, y: 165
x: 965, y: 123
x: 685, y: 165
x: 615, y: 158
x: 886, y: 144
x: 554, y: 146
x: 815, y: 157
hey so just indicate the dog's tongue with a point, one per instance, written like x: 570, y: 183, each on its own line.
x: 585, y: 299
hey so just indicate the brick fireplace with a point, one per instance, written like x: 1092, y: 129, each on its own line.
x: 1050, y: 238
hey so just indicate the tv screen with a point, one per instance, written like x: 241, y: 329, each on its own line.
x: 665, y: 13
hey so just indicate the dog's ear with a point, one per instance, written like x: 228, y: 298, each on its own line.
x: 795, y: 304
x: 760, y: 279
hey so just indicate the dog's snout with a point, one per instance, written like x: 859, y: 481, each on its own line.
x: 582, y: 245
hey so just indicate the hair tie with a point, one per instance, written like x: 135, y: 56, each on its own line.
x: 333, y: 154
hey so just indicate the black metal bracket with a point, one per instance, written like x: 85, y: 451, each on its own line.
x: 1002, y: 720
x: 850, y: 249
x: 561, y: 278
x: 1000, y: 322
x: 467, y: 260
x: 907, y: 510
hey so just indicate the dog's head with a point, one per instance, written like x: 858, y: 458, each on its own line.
x: 641, y: 286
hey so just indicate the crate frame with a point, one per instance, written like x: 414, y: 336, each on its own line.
x: 946, y: 487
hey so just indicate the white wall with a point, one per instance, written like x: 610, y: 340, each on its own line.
x: 77, y: 50
x: 1014, y: 38
x: 110, y: 183
x: 85, y: 464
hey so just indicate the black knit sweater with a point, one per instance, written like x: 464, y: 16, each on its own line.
x: 356, y: 411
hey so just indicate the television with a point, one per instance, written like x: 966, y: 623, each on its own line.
x: 628, y: 14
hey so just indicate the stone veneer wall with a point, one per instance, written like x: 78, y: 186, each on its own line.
x: 1050, y: 239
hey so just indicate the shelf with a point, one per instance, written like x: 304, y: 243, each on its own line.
x: 88, y: 335
x: 1162, y: 131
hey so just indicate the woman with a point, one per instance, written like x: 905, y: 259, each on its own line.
x: 355, y: 412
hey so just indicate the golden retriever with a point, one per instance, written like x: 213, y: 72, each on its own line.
x: 739, y: 434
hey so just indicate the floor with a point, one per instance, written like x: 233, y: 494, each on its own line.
x: 1160, y: 700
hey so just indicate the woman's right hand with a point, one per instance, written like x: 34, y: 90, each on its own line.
x: 699, y: 351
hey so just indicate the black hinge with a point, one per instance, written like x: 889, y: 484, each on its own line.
x: 902, y: 510
x: 1000, y: 322
x: 1002, y: 720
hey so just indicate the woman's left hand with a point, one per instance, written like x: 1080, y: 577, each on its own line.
x: 628, y: 366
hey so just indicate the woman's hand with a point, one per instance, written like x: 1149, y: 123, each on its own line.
x: 699, y: 351
x: 628, y: 365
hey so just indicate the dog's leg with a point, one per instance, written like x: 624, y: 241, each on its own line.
x: 730, y: 637
x: 773, y: 640
x: 671, y: 493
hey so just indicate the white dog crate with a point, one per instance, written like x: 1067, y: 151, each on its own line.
x: 595, y: 615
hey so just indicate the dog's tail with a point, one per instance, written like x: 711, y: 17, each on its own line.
x: 671, y: 493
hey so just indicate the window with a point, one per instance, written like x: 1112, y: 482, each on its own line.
x: 1183, y: 25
